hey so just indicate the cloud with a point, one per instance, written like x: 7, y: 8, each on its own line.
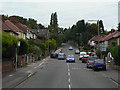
x: 68, y: 12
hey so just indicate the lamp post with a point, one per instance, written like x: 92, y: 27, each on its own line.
x: 18, y: 44
x: 98, y: 32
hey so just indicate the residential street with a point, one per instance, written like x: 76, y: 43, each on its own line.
x: 55, y: 73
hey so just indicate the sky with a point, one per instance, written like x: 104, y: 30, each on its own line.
x: 68, y: 12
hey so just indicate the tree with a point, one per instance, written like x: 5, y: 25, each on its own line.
x: 53, y: 22
x: 101, y: 26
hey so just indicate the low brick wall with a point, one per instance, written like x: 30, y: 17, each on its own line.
x: 112, y: 65
x: 7, y: 66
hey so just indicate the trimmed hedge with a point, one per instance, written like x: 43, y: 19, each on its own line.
x: 115, y: 51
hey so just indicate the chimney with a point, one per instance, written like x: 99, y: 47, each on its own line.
x: 12, y: 19
x: 3, y: 18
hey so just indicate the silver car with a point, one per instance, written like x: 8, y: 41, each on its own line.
x: 90, y: 61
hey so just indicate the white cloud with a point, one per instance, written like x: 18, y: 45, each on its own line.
x: 68, y: 12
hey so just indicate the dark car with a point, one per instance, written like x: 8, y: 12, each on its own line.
x: 99, y: 64
x: 70, y: 58
x: 90, y: 61
x: 55, y: 54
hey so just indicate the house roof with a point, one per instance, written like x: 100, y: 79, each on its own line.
x: 109, y: 36
x: 22, y: 27
x: 105, y: 37
x: 11, y: 25
x: 96, y: 38
x: 3, y: 26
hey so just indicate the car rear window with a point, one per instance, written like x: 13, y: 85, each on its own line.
x: 92, y: 58
x: 70, y: 56
x: 99, y: 61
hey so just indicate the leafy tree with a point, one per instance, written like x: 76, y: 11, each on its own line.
x: 9, y: 44
x: 24, y: 45
x: 101, y: 26
x: 53, y: 23
x: 51, y: 44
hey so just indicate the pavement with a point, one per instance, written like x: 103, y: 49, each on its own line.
x: 12, y: 79
x: 53, y: 73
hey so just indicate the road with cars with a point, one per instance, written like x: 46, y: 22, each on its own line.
x: 55, y: 73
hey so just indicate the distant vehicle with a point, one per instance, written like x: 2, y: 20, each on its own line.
x: 91, y: 53
x: 70, y: 58
x: 85, y: 58
x: 70, y: 48
x: 55, y: 54
x: 90, y: 61
x: 60, y: 49
x: 81, y: 55
x: 99, y: 64
x: 77, y: 52
x: 61, y: 56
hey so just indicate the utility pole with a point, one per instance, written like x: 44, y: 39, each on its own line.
x: 98, y: 35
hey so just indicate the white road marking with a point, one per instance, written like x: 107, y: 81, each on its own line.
x: 69, y: 87
x: 69, y: 80
x: 68, y: 73
x: 29, y: 71
x: 68, y: 70
x: 11, y: 75
x: 110, y: 79
x: 29, y: 75
x: 41, y: 63
x: 114, y: 81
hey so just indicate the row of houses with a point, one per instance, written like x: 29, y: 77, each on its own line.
x: 106, y: 40
x: 19, y: 30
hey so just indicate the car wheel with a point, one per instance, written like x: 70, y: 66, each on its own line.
x: 104, y: 69
x: 87, y: 67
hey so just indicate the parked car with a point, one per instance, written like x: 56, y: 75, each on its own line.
x: 60, y: 49
x: 99, y: 64
x: 85, y: 58
x: 90, y: 61
x: 61, y: 56
x: 70, y: 48
x: 81, y: 55
x: 70, y: 58
x: 77, y: 52
x: 55, y: 54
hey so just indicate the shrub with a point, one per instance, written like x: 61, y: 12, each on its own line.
x: 115, y: 51
x: 9, y: 43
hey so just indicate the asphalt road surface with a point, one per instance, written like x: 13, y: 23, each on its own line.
x: 59, y: 74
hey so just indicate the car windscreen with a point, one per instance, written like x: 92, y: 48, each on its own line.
x: 99, y: 61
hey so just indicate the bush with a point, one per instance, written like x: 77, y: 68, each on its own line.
x: 24, y: 45
x: 115, y: 51
x: 52, y: 44
x: 9, y: 44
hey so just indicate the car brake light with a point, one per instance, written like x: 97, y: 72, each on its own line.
x: 94, y: 65
x: 104, y: 64
x: 87, y: 61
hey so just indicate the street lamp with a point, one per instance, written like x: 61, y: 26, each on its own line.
x: 18, y: 44
x: 98, y: 31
